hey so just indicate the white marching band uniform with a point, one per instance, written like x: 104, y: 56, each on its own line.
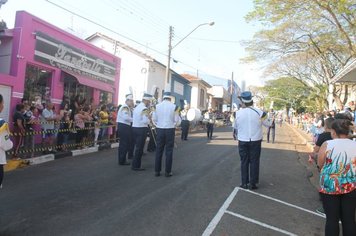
x: 5, y: 141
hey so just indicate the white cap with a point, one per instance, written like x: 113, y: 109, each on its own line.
x: 147, y: 96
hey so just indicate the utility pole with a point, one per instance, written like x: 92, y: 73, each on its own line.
x: 231, y: 89
x: 168, y: 77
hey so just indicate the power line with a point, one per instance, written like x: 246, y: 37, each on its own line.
x: 214, y: 40
x: 117, y: 33
x: 104, y: 27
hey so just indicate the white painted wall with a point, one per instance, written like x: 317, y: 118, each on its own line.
x: 156, y: 76
x: 134, y: 70
x: 196, y: 94
x: 194, y: 98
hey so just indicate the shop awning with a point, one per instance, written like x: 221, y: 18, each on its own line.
x: 347, y: 74
x: 92, y: 82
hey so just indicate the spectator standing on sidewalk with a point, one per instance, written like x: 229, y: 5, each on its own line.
x: 104, y: 122
x: 5, y: 142
x: 19, y: 129
x: 29, y: 141
x: 337, y: 160
x: 47, y: 120
x: 248, y: 123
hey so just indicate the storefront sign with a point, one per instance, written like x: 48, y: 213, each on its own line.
x: 178, y: 88
x: 61, y: 55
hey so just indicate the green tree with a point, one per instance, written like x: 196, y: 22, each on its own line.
x: 286, y: 92
x: 308, y: 40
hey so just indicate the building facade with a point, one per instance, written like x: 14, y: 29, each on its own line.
x: 141, y: 72
x: 200, y: 96
x: 43, y: 63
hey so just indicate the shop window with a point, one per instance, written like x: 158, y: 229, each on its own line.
x: 105, y: 98
x: 37, y: 84
x: 73, y: 88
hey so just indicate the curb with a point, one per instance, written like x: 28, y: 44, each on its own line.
x: 302, y: 137
x: 312, y: 172
x: 16, y: 164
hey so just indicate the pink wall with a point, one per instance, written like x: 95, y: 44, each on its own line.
x: 24, y: 40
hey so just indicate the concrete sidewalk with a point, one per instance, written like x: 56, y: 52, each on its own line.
x: 15, y: 164
x: 313, y: 172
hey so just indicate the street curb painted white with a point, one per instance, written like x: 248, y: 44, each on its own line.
x: 84, y: 151
x: 41, y: 159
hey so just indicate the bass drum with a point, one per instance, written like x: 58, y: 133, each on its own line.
x: 194, y: 114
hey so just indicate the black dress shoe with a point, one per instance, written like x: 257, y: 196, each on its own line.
x: 254, y: 186
x: 244, y: 186
x: 157, y: 174
x: 170, y: 174
x: 125, y: 164
x: 138, y: 169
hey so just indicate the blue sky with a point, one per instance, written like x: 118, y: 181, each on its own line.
x: 214, y: 50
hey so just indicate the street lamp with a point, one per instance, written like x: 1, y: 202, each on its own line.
x: 170, y: 47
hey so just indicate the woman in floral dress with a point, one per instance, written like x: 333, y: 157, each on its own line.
x: 337, y: 160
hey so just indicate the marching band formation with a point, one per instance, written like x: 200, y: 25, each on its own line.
x: 158, y: 121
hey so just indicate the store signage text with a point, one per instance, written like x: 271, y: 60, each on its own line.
x: 51, y: 51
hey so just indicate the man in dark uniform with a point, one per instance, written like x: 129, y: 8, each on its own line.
x: 166, y: 117
x: 141, y: 119
x: 185, y: 122
x: 124, y: 123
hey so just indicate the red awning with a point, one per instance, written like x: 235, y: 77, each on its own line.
x: 92, y: 82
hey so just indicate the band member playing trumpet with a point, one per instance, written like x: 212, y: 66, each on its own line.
x: 166, y: 117
x: 141, y: 119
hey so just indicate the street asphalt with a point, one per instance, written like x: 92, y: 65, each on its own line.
x: 92, y: 195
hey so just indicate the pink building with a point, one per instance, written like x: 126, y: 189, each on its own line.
x: 41, y: 62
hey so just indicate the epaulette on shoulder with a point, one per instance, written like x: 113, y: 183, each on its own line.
x: 4, y: 126
x: 264, y: 115
x: 145, y: 111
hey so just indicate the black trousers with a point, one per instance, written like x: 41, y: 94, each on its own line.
x: 125, y: 135
x: 340, y: 207
x: 185, y: 129
x: 1, y: 173
x: 250, y: 153
x: 151, y: 146
x: 209, y: 130
x: 140, y: 135
x: 271, y: 131
x: 165, y: 139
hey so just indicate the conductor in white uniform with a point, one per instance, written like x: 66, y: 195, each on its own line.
x: 166, y: 117
x: 248, y: 123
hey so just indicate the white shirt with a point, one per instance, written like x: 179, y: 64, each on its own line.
x: 166, y: 115
x: 5, y: 142
x: 248, y: 123
x: 47, y: 114
x: 124, y: 115
x: 140, y: 116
